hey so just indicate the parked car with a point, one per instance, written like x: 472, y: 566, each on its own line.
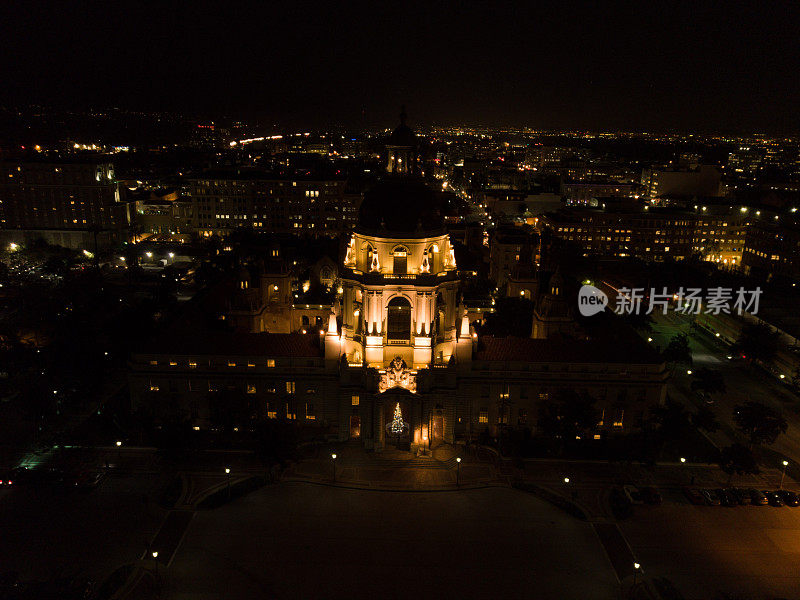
x: 757, y: 498
x: 741, y: 496
x: 650, y: 495
x: 90, y: 479
x: 693, y: 495
x: 633, y: 494
x: 725, y: 499
x: 7, y: 478
x: 773, y: 498
x: 710, y: 497
x: 789, y: 498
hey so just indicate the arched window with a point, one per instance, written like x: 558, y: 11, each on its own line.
x: 398, y: 319
x: 400, y: 255
x: 326, y: 277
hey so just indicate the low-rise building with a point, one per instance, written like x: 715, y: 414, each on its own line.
x: 68, y: 203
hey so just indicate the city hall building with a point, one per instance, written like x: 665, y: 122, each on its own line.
x: 395, y: 339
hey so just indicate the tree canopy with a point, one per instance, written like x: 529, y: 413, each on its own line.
x: 757, y: 341
x: 709, y: 381
x: 737, y: 459
x: 761, y: 424
x: 678, y: 350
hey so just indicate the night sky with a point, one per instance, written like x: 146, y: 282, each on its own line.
x: 652, y: 65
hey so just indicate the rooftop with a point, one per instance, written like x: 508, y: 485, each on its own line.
x: 557, y: 349
x: 236, y: 344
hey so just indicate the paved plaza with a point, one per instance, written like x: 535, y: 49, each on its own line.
x: 300, y: 540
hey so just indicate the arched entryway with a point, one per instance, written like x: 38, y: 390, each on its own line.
x: 398, y: 419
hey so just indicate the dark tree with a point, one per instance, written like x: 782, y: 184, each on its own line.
x: 638, y: 320
x: 678, y: 350
x: 569, y: 415
x: 705, y: 419
x: 673, y: 421
x: 709, y: 381
x: 276, y: 440
x: 737, y: 460
x: 229, y: 408
x: 757, y: 342
x: 760, y: 423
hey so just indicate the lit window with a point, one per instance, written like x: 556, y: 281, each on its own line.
x: 173, y: 363
x: 270, y: 413
x: 153, y: 387
x: 251, y: 365
x: 192, y: 365
x: 355, y: 399
x: 290, y: 387
x: 154, y: 363
x: 231, y: 363
x: 271, y: 362
x: 251, y: 389
x: 483, y: 415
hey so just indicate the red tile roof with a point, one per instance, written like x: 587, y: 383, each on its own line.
x: 236, y: 344
x: 513, y: 349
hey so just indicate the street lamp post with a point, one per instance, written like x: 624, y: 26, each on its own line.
x: 458, y: 471
x: 228, y: 473
x: 785, y: 464
x: 119, y: 453
x: 636, y: 567
x: 333, y: 460
x: 155, y: 561
x: 683, y: 462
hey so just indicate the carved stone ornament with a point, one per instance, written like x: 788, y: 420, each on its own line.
x: 397, y: 374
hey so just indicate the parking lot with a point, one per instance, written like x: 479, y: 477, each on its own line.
x: 747, y: 551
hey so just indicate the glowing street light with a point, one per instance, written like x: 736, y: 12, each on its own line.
x: 458, y: 471
x: 333, y: 460
x: 689, y: 372
x: 785, y: 464
x: 228, y: 473
x: 636, y: 567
